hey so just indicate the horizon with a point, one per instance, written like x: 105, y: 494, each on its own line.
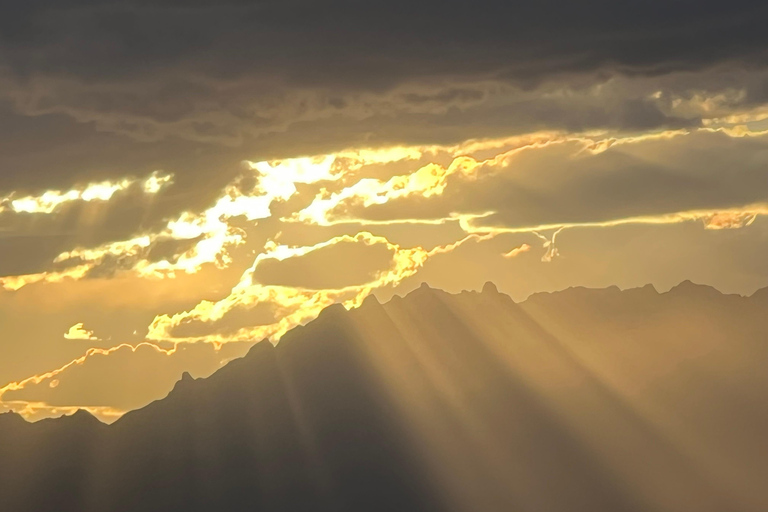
x: 487, y: 287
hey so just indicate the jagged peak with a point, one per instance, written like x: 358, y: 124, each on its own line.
x: 760, y: 293
x: 185, y: 380
x: 82, y: 415
x: 78, y: 418
x: 265, y: 344
x: 424, y: 290
x: 333, y: 309
x: 573, y: 290
x: 490, y: 288
x: 689, y: 287
x: 583, y: 291
x: 370, y: 301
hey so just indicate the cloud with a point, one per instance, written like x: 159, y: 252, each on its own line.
x: 552, y: 251
x: 533, y: 183
x: 378, y: 42
x: 424, y: 182
x: 586, y: 180
x: 35, y: 229
x: 729, y: 220
x: 78, y: 332
x: 516, y: 251
x: 345, y: 264
x: 296, y: 305
x: 236, y: 72
x: 51, y: 200
x: 190, y: 240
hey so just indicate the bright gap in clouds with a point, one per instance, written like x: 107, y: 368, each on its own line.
x: 351, y: 197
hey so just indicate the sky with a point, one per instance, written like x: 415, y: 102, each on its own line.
x: 179, y: 180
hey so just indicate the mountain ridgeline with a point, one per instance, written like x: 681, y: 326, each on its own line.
x: 581, y: 400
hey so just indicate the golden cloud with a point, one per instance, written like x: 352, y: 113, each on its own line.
x: 79, y: 332
x: 516, y: 251
x: 49, y: 201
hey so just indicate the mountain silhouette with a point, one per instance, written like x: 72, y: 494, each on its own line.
x: 581, y: 400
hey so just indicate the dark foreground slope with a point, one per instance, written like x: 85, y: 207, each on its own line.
x: 584, y: 400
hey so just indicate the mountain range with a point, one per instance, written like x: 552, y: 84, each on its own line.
x: 593, y: 400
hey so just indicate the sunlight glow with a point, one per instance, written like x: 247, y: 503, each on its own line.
x: 79, y: 332
x: 49, y: 201
x: 330, y: 192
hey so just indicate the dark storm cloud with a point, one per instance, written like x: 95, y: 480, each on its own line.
x: 99, y: 90
x: 52, y: 152
x: 375, y: 43
x: 228, y: 72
